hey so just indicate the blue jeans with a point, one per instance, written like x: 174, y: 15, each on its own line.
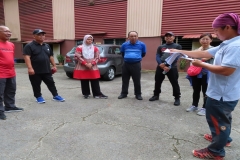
x: 219, y: 118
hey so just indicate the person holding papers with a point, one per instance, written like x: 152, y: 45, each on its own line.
x: 223, y: 91
x: 164, y: 68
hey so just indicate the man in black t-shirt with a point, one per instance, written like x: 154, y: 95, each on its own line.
x: 164, y: 69
x: 38, y: 56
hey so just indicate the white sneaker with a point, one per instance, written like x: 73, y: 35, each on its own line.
x: 202, y: 112
x: 192, y: 109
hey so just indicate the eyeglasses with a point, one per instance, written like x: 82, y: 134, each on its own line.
x: 6, y: 31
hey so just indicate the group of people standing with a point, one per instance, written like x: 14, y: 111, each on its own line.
x: 38, y: 56
x: 218, y: 80
x: 221, y: 87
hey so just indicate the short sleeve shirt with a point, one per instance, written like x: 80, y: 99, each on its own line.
x: 7, y: 60
x: 39, y: 56
x: 220, y: 86
x: 133, y: 52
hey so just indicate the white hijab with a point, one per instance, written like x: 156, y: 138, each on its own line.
x: 87, y: 50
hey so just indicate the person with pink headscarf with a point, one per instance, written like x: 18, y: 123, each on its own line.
x: 87, y: 56
x: 223, y: 90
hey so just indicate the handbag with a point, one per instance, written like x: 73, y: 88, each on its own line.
x: 193, y: 70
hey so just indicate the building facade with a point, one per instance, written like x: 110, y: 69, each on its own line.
x: 109, y: 21
x: 188, y: 19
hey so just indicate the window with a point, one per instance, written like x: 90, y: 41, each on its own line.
x: 110, y: 50
x: 73, y: 50
x: 79, y: 42
x: 117, y: 50
x: 185, y: 43
x: 108, y: 41
x: 100, y: 49
x: 119, y: 41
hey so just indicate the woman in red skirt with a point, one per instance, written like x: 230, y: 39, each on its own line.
x: 87, y: 56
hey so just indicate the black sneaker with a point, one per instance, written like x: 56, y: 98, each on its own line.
x: 14, y: 109
x: 2, y: 115
x: 154, y: 98
x: 102, y: 96
x: 86, y: 96
x: 177, y: 102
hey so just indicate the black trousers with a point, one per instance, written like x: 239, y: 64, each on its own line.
x: 36, y: 81
x: 7, y: 92
x: 94, y: 86
x: 134, y: 71
x: 172, y: 75
x: 199, y: 84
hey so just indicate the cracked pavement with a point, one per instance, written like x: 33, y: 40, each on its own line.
x: 106, y: 129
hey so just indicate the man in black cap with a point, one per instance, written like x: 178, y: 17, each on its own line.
x: 164, y: 69
x: 38, y: 56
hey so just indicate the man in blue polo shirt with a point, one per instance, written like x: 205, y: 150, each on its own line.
x: 223, y: 87
x: 132, y: 51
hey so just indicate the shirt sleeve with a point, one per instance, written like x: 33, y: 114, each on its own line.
x: 50, y: 50
x: 213, y: 50
x: 231, y: 57
x: 158, y: 56
x: 179, y: 47
x: 27, y: 50
x: 144, y: 50
x: 122, y: 50
x: 96, y: 56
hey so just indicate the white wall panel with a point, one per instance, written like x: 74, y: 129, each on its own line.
x: 145, y: 17
x: 11, y: 13
x: 63, y: 19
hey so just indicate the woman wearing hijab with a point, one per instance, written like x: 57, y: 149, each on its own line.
x: 223, y: 87
x: 87, y: 56
x: 200, y: 81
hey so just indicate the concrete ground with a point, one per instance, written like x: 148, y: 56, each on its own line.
x: 106, y: 129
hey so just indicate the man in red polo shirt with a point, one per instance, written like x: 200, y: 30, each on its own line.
x: 7, y: 73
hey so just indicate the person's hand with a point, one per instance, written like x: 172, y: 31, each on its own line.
x: 197, y: 62
x: 54, y: 69
x: 89, y: 65
x: 166, y: 69
x: 174, y: 50
x: 31, y: 71
x: 162, y: 65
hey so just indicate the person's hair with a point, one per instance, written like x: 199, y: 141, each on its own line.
x: 233, y: 27
x: 131, y: 32
x: 206, y: 34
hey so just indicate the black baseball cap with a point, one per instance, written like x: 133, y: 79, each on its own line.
x: 37, y: 31
x: 169, y: 33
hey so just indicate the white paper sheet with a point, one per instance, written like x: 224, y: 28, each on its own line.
x: 184, y: 56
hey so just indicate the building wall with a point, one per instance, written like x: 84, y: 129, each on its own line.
x: 11, y: 14
x: 18, y: 50
x: 106, y: 18
x: 63, y: 19
x: 2, y: 20
x: 66, y: 46
x: 149, y: 61
x: 145, y: 17
x: 35, y: 14
x: 194, y: 17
